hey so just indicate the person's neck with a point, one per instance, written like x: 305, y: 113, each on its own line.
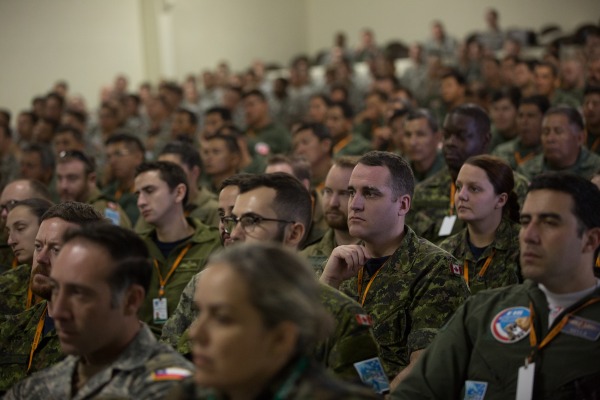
x: 174, y: 228
x: 482, y: 233
x: 422, y: 166
x: 107, y: 356
x: 566, y: 162
x: 192, y: 193
x: 341, y: 137
x: 509, y: 133
x: 342, y: 237
x: 261, y: 123
x: 251, y: 390
x: 576, y: 281
x: 387, y: 246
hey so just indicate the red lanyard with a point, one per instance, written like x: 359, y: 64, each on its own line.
x: 163, y: 281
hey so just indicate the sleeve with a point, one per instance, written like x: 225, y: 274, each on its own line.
x: 182, y: 317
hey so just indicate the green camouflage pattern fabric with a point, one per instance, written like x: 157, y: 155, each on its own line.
x: 318, y: 253
x: 357, y: 146
x: 128, y: 201
x: 204, y: 241
x: 131, y: 376
x: 13, y: 289
x: 17, y: 332
x: 503, y: 270
x: 506, y: 151
x: 437, y: 165
x: 563, y: 98
x: 6, y: 254
x: 586, y: 165
x: 414, y: 293
x: 105, y: 206
x: 313, y: 384
x: 431, y: 203
x: 352, y: 340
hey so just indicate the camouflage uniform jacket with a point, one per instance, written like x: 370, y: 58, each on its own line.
x: 503, y: 269
x: 437, y: 165
x: 109, y: 208
x: 313, y: 383
x: 140, y: 372
x: 318, y: 253
x: 411, y: 296
x: 203, y: 242
x: 13, y: 289
x: 7, y: 257
x: 127, y: 200
x: 431, y: 203
x: 586, y: 165
x: 508, y: 151
x: 16, y: 337
x: 352, y: 340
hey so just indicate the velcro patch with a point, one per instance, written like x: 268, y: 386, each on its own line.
x: 364, y: 319
x: 170, y: 374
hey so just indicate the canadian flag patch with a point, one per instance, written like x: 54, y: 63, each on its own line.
x: 364, y: 319
x: 456, y: 269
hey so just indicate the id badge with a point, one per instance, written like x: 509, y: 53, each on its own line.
x: 447, y: 225
x: 525, y: 382
x: 159, y: 310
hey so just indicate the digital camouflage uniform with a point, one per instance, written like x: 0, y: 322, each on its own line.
x: 13, y: 289
x: 586, y: 165
x: 508, y: 152
x: 204, y: 241
x: 504, y: 268
x: 353, y: 145
x: 431, y: 203
x: 437, y: 165
x: 7, y: 256
x: 466, y: 350
x: 138, y: 373
x: 312, y: 384
x: 318, y: 253
x: 352, y: 340
x: 17, y: 332
x: 108, y: 208
x: 127, y: 200
x: 414, y: 293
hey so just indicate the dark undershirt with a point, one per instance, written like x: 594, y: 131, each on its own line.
x: 166, y: 247
x: 477, y: 251
x: 373, y: 265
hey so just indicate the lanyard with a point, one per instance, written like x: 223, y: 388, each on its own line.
x: 452, y: 193
x: 557, y: 328
x: 163, y: 281
x: 481, y: 273
x: 15, y: 263
x: 598, y: 262
x: 38, y: 335
x: 341, y: 144
x: 29, y: 301
x: 119, y: 193
x: 361, y: 272
x: 520, y: 160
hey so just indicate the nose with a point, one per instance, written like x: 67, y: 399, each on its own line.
x: 334, y: 200
x: 141, y: 201
x: 198, y: 331
x: 529, y: 233
x: 356, y: 202
x: 462, y: 193
x: 11, y: 240
x: 237, y: 233
x: 42, y: 256
x: 58, y: 305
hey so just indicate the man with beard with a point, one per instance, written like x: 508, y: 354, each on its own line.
x: 28, y: 341
x: 335, y: 210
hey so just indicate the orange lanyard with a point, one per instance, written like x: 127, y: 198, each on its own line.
x: 520, y: 160
x: 481, y: 273
x: 29, y: 301
x: 163, y: 281
x: 119, y: 193
x: 360, y: 279
x: 557, y: 328
x: 598, y: 262
x: 341, y: 144
x: 38, y: 335
x: 15, y: 263
x: 452, y: 193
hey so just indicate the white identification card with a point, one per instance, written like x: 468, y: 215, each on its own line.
x: 447, y: 225
x: 159, y: 310
x: 525, y: 382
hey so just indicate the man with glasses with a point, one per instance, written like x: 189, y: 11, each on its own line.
x: 179, y: 246
x: 76, y: 181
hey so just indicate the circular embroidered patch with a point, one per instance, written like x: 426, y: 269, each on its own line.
x: 511, y: 325
x: 262, y: 148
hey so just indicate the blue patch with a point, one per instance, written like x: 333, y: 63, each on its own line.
x: 582, y: 328
x: 511, y: 325
x: 475, y: 390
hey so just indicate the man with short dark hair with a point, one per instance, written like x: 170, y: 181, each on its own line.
x: 68, y: 138
x: 179, y: 246
x: 546, y: 83
x: 562, y: 146
x: 421, y: 140
x: 214, y: 119
x: 339, y: 123
x: 409, y: 286
x: 221, y: 158
x: 516, y: 341
x: 98, y: 284
x: 503, y: 113
x: 313, y: 142
x: 453, y: 90
x: 264, y: 137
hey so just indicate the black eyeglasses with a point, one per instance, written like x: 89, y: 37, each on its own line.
x: 248, y: 221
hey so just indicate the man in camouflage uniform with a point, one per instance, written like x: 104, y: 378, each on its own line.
x: 335, y: 210
x: 563, y: 140
x: 179, y: 246
x: 421, y: 141
x: 339, y: 123
x: 76, y: 181
x: 276, y: 207
x: 28, y: 341
x: 98, y: 283
x: 409, y: 286
x: 466, y: 134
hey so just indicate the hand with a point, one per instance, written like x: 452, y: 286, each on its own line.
x: 344, y: 263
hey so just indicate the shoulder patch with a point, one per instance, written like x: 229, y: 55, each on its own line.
x: 262, y: 148
x: 170, y: 374
x: 456, y: 269
x: 111, y: 205
x: 364, y: 319
x: 511, y: 325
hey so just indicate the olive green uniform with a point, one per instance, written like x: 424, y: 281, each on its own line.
x: 13, y: 289
x: 203, y: 242
x: 509, y: 152
x: 127, y: 200
x: 438, y: 164
x: 109, y: 208
x: 586, y: 165
x: 145, y: 370
x: 276, y: 137
x: 318, y: 253
x: 409, y: 298
x: 503, y: 252
x: 356, y: 146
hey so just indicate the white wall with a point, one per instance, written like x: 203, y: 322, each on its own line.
x: 85, y: 42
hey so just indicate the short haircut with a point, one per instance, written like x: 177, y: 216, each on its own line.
x: 585, y: 195
x: 573, y: 116
x: 75, y: 212
x: 230, y: 141
x: 132, y: 142
x: 80, y: 116
x: 76, y: 133
x: 402, y: 180
x: 124, y: 247
x: 346, y: 108
x: 235, y: 180
x: 255, y: 92
x: 323, y: 97
x: 191, y: 115
x: 299, y: 165
x: 292, y: 200
x: 511, y: 94
x: 456, y: 75
x: 46, y: 154
x: 348, y: 162
x: 423, y: 113
x: 541, y: 102
x: 186, y: 152
x: 222, y: 111
x: 7, y: 115
x: 319, y: 130
x: 550, y: 66
x: 282, y: 287
x: 57, y: 97
x: 169, y: 172
x: 477, y: 114
x: 35, y: 205
x: 76, y: 155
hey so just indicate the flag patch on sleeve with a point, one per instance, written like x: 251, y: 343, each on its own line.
x: 170, y: 374
x: 364, y: 319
